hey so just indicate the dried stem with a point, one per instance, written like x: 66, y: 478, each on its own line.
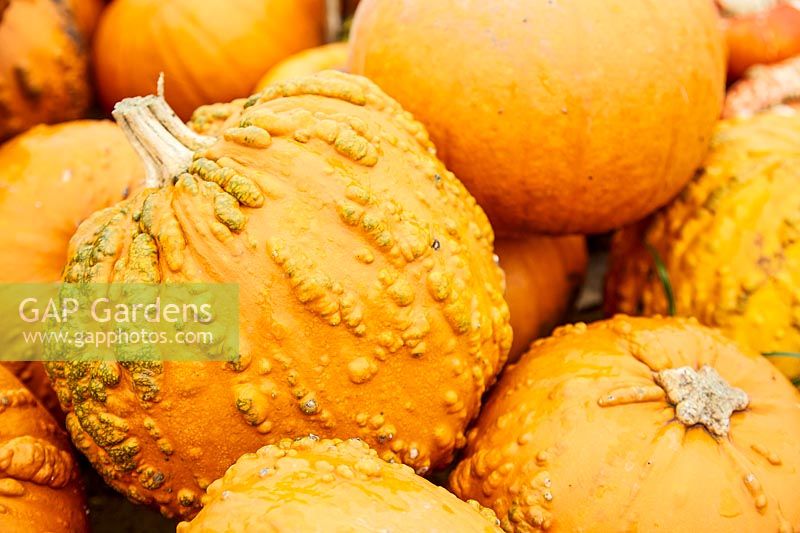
x: 165, y: 144
x: 333, y: 19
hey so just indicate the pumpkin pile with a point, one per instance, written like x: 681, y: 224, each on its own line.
x: 426, y: 209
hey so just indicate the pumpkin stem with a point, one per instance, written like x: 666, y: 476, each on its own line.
x: 702, y: 397
x: 745, y: 7
x: 333, y: 19
x: 165, y: 144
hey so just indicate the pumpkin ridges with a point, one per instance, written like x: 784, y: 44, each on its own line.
x: 524, y: 456
x: 365, y: 277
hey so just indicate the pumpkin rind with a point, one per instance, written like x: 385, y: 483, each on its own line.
x: 330, y: 485
x: 542, y: 275
x: 43, y: 66
x: 39, y: 479
x: 53, y: 177
x: 208, y: 51
x: 580, y: 436
x: 331, y: 56
x: 365, y: 269
x: 559, y: 117
x: 729, y: 242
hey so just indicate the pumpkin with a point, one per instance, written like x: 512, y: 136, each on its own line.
x: 311, y: 61
x: 759, y: 32
x: 53, y: 178
x: 542, y: 275
x: 572, y: 118
x: 330, y: 485
x: 364, y: 269
x: 43, y: 67
x: 637, y: 424
x: 764, y: 87
x: 39, y: 479
x: 208, y: 51
x: 729, y: 245
x: 87, y: 14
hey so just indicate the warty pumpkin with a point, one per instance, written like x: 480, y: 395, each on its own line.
x: 729, y: 244
x: 759, y: 32
x: 43, y: 66
x: 332, y: 56
x: 331, y: 485
x: 208, y: 51
x: 764, y: 87
x: 637, y: 424
x: 370, y: 303
x: 542, y: 275
x: 39, y: 480
x: 560, y: 117
x: 53, y: 177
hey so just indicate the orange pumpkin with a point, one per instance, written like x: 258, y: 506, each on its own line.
x: 364, y: 268
x: 542, y: 275
x: 53, y: 177
x: 637, y: 424
x: 764, y: 87
x: 43, y: 66
x: 87, y: 14
x: 330, y: 485
x: 208, y: 51
x: 39, y: 479
x: 559, y: 118
x: 325, y: 57
x: 759, y: 32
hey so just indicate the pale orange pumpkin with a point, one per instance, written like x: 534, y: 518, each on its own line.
x: 365, y: 271
x: 208, y: 51
x: 40, y: 486
x: 542, y: 275
x: 331, y: 56
x: 43, y: 66
x: 330, y: 485
x: 53, y: 177
x: 573, y: 117
x: 637, y: 424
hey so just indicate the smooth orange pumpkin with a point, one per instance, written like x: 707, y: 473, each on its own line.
x: 365, y: 272
x: 759, y: 32
x: 542, y: 275
x: 53, y: 177
x: 559, y: 117
x: 764, y: 87
x: 43, y: 66
x: 331, y: 56
x: 637, y: 424
x: 330, y: 485
x: 39, y: 480
x: 208, y: 51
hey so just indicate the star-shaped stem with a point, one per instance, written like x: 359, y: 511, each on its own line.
x: 702, y: 397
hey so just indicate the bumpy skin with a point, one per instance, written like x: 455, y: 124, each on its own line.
x: 43, y: 66
x: 764, y: 87
x: 730, y: 242
x: 560, y: 117
x: 759, y: 32
x: 313, y: 485
x: 54, y: 177
x: 370, y: 304
x: 209, y: 51
x: 579, y: 435
x: 39, y: 479
x: 542, y: 275
x: 326, y: 57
